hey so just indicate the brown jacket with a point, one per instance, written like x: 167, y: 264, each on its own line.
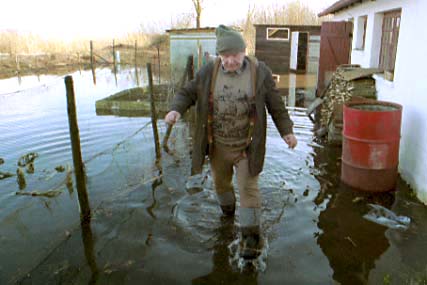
x: 197, y: 92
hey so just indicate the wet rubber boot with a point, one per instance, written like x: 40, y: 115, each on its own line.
x: 228, y: 210
x: 251, y: 242
x: 227, y: 202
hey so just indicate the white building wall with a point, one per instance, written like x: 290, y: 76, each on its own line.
x: 409, y: 87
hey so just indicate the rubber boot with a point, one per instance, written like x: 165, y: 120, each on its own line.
x: 228, y: 210
x: 251, y: 242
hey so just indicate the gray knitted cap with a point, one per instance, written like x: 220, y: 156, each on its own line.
x: 229, y: 40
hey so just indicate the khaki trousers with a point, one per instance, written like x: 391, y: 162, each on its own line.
x: 223, y: 162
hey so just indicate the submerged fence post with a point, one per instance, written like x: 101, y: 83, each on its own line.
x: 158, y: 60
x: 89, y: 250
x: 92, y: 62
x: 18, y: 68
x: 76, y: 150
x: 78, y: 63
x: 153, y: 112
x: 136, y: 63
x: 114, y: 63
x: 37, y: 67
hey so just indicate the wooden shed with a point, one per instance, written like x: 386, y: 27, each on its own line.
x: 273, y: 46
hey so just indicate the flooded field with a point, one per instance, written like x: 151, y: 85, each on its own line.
x: 148, y: 227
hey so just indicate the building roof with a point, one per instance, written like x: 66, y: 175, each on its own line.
x: 338, y: 6
x: 286, y: 26
x: 192, y: 30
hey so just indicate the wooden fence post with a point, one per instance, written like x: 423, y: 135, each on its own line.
x: 18, y: 68
x: 37, y: 67
x: 153, y: 112
x: 89, y: 249
x: 76, y: 150
x: 199, y: 56
x: 190, y: 69
x: 136, y: 63
x: 192, y: 115
x: 78, y: 63
x: 92, y: 62
x: 114, y: 63
x: 158, y: 60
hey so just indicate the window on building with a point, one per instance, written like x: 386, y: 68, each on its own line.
x: 389, y: 39
x: 278, y: 34
x: 361, y: 32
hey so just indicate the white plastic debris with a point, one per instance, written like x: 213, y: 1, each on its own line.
x: 383, y: 216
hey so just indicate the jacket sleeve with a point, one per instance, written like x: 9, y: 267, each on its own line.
x: 275, y: 105
x: 185, y: 97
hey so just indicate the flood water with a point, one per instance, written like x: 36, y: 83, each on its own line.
x: 147, y: 227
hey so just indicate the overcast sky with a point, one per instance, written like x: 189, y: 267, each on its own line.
x: 100, y: 18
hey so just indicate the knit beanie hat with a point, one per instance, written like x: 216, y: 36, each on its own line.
x: 229, y: 40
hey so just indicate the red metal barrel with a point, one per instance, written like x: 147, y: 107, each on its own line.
x: 370, y: 153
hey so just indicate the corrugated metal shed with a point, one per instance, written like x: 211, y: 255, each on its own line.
x: 185, y: 42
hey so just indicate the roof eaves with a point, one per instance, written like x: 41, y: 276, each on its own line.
x: 338, y: 6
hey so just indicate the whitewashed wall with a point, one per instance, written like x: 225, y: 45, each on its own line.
x: 409, y: 87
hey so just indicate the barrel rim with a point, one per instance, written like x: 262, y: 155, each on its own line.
x: 350, y: 105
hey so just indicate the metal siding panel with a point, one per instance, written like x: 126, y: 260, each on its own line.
x: 181, y: 46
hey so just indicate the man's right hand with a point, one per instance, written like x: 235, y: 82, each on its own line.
x: 172, y: 117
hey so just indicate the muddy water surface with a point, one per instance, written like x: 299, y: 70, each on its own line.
x: 148, y: 227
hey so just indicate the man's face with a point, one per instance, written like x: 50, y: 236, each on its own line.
x: 232, y: 61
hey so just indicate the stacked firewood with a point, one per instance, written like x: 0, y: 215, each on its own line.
x: 347, y: 82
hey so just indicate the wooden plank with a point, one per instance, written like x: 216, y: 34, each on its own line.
x: 359, y: 73
x: 335, y: 45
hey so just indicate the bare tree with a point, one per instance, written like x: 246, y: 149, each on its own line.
x: 198, y: 7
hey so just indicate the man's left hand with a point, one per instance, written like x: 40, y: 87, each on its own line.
x: 291, y: 140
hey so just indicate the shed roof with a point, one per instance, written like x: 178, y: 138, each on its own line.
x: 286, y: 26
x: 338, y: 6
x: 191, y: 30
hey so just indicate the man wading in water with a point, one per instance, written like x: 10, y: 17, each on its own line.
x: 231, y: 95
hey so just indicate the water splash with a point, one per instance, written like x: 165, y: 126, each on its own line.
x: 258, y: 264
x: 197, y: 181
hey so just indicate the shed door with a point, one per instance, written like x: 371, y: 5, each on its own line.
x: 335, y: 49
x: 302, y: 52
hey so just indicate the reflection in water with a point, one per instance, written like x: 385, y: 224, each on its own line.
x: 156, y: 183
x: 76, y: 149
x: 351, y: 243
x: 222, y: 271
x: 158, y: 164
x: 85, y: 219
x: 89, y: 249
